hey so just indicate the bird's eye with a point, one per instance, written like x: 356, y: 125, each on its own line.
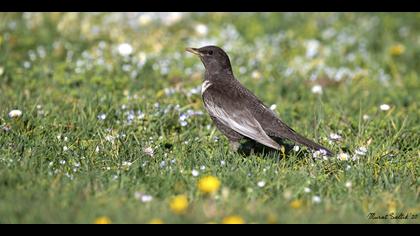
x: 210, y: 52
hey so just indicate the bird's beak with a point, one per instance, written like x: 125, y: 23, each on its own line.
x: 193, y: 51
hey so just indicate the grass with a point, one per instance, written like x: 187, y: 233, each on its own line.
x: 61, y: 163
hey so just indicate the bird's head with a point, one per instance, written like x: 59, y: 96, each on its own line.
x: 213, y: 58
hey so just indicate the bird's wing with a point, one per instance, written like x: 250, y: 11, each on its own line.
x: 231, y: 110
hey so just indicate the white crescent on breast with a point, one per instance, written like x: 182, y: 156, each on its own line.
x: 205, y: 86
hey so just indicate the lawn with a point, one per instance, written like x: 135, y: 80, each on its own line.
x: 112, y: 127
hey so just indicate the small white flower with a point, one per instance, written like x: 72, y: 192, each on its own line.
x: 348, y: 167
x: 195, y: 173
x: 38, y: 107
x: 307, y: 190
x: 65, y: 148
x: 58, y: 136
x: 146, y: 198
x: 361, y: 151
x: 66, y: 139
x: 149, y: 151
x: 62, y: 162
x: 366, y: 117
x: 222, y: 163
x: 312, y: 47
x: 15, y: 113
x: 335, y: 137
x: 110, y: 138
x: 348, y: 184
x: 144, y: 19
x: 125, y: 49
x: 101, y: 116
x: 126, y: 164
x: 183, y: 123
x: 201, y: 29
x: 261, y: 183
x: 296, y: 148
x: 385, y: 107
x: 343, y: 156
x: 202, y: 167
x: 316, y: 199
x: 317, y: 89
x: 256, y: 74
x: 273, y: 107
x: 162, y: 164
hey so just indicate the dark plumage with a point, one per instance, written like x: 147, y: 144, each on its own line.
x: 236, y: 111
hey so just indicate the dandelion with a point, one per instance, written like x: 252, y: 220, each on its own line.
x: 102, y: 220
x: 156, y: 221
x: 392, y: 207
x: 316, y: 199
x: 179, y: 204
x: 397, y: 50
x: 149, y: 151
x: 234, y: 219
x: 296, y: 204
x: 208, y: 184
x: 195, y: 173
x: 261, y: 184
x: 316, y: 89
x: 343, y: 156
x: 125, y: 49
x: 15, y: 113
x: 201, y: 29
x: 384, y: 107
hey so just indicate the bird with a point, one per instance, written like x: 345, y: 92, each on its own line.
x: 236, y: 111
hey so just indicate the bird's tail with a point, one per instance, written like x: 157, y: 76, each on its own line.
x: 309, y: 143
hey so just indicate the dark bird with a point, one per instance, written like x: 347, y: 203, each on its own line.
x: 235, y: 110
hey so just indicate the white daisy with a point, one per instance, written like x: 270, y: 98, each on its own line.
x: 15, y: 113
x: 384, y: 107
x: 317, y: 89
x: 316, y: 199
x: 125, y: 49
x: 149, y: 151
x: 195, y: 173
x: 261, y: 183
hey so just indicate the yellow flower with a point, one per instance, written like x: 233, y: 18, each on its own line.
x: 234, y: 219
x: 209, y: 184
x: 156, y: 221
x: 103, y: 220
x: 179, y: 204
x: 296, y: 204
x: 392, y: 207
x: 397, y: 49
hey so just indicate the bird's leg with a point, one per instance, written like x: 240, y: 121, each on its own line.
x: 234, y: 145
